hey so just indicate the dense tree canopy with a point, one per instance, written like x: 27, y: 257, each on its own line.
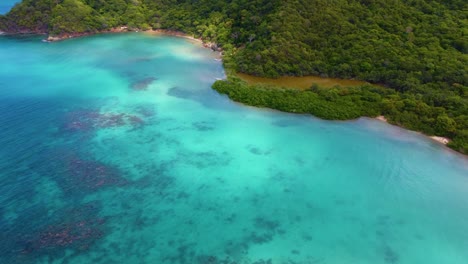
x: 417, y: 48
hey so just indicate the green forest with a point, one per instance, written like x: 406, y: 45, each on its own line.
x: 417, y: 49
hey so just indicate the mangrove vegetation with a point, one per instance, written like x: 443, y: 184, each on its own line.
x: 417, y: 49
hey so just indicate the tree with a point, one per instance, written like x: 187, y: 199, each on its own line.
x: 72, y: 16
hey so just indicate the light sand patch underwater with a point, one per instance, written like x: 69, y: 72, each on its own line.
x: 139, y: 161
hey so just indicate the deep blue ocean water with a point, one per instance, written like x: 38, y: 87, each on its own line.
x: 6, y: 5
x: 114, y: 149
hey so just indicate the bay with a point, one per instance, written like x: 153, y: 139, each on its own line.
x: 114, y: 149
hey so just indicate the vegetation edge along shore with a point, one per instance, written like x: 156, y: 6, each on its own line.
x: 233, y: 77
x: 337, y: 103
x: 417, y: 49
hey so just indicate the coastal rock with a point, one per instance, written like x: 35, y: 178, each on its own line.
x: 53, y: 38
x: 213, y: 46
x: 442, y: 140
x: 382, y: 118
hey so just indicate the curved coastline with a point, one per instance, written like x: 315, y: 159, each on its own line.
x: 441, y: 140
x: 243, y: 99
x: 214, y: 47
x: 178, y: 135
x: 125, y: 29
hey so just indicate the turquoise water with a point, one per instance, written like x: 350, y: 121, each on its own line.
x: 6, y: 5
x: 114, y: 149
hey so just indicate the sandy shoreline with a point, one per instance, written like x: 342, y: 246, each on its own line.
x: 442, y: 140
x: 210, y: 45
x: 123, y: 29
x: 172, y: 33
x: 382, y: 118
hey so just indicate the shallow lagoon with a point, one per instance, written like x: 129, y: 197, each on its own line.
x: 116, y: 150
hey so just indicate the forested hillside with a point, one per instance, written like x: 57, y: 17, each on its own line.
x: 417, y: 48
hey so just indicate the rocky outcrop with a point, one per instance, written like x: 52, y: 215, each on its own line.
x: 442, y: 140
x: 213, y: 46
x: 382, y: 118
